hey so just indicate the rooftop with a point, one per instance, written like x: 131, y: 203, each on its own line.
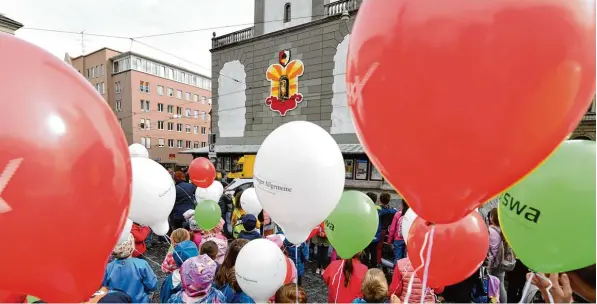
x: 252, y: 149
x: 121, y: 55
x: 5, y: 20
x: 102, y: 49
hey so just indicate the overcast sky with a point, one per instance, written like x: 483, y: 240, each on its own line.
x: 131, y: 18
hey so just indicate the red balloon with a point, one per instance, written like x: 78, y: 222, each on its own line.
x: 202, y: 172
x: 65, y: 177
x: 289, y: 271
x: 455, y: 100
x: 458, y: 249
x: 11, y: 297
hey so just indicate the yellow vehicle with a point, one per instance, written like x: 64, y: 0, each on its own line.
x: 243, y: 168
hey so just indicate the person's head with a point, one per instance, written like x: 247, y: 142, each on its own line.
x: 125, y: 249
x: 493, y: 217
x: 231, y: 278
x: 197, y: 274
x: 278, y: 239
x: 183, y: 251
x: 210, y: 248
x: 179, y: 235
x: 217, y: 229
x: 384, y: 198
x: 405, y: 206
x: 249, y: 222
x: 348, y: 268
x: 372, y: 196
x: 375, y: 286
x: 287, y: 294
x: 582, y: 282
x: 229, y: 260
x: 179, y: 177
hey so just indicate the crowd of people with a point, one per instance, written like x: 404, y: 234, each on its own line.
x: 200, y: 264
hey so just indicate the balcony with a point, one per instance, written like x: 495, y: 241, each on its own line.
x: 589, y: 116
x: 338, y: 7
x: 233, y: 37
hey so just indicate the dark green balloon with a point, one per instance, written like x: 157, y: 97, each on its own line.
x: 353, y: 224
x: 549, y: 216
x: 208, y: 214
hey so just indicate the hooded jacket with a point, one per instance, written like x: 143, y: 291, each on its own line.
x: 400, y: 280
x: 381, y: 212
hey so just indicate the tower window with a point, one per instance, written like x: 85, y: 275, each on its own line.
x: 287, y: 15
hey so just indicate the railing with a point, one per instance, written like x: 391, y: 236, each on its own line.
x: 338, y: 7
x: 233, y: 37
x: 589, y: 116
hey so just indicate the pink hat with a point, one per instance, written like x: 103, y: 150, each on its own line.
x: 278, y: 239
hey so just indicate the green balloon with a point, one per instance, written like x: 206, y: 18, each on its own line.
x: 208, y: 214
x: 353, y: 224
x: 549, y: 216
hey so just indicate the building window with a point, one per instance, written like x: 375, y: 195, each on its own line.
x: 203, y: 144
x: 170, y: 126
x: 287, y: 13
x: 142, y: 105
x: 147, y: 87
x: 195, y: 98
x: 102, y: 88
x: 187, y: 96
x: 160, y: 142
x: 160, y: 125
x: 170, y: 109
x: 120, y: 122
x: 148, y: 143
x: 188, y: 144
x: 160, y: 90
x: 196, y: 114
x: 117, y: 87
x: 88, y: 73
x: 196, y: 145
x: 171, y: 73
x: 179, y: 111
x: 178, y: 127
x: 203, y: 98
x: 188, y: 128
x: 170, y: 143
x: 101, y: 70
x: 118, y: 106
x: 179, y: 143
x: 160, y: 107
x: 203, y: 115
x: 161, y: 70
x: 179, y: 94
x: 187, y: 112
x: 147, y: 107
x: 142, y: 124
x: 196, y: 130
x: 209, y: 101
x: 143, y: 141
x: 141, y: 86
x: 170, y: 92
x: 147, y: 124
x: 203, y: 130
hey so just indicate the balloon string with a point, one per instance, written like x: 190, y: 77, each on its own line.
x: 412, y: 276
x: 334, y: 280
x: 427, y: 262
x: 296, y: 284
x: 148, y: 259
x: 548, y: 287
x: 527, y: 286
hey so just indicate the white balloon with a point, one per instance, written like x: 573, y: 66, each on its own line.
x: 250, y: 203
x: 213, y: 192
x: 299, y: 177
x: 153, y: 195
x: 407, y: 222
x: 138, y: 150
x: 260, y: 269
x: 125, y: 232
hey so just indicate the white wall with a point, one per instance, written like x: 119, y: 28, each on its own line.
x: 273, y: 14
x: 232, y: 100
x: 341, y: 120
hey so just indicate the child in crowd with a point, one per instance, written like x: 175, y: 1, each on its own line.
x: 402, y: 274
x: 233, y: 292
x: 211, y: 249
x: 107, y: 295
x: 322, y: 246
x: 129, y: 274
x: 395, y: 237
x: 178, y: 236
x: 302, y: 253
x: 221, y: 279
x: 171, y: 285
x: 374, y: 288
x: 344, y: 279
x: 197, y: 275
x: 287, y: 294
x: 237, y: 213
x: 215, y: 235
x: 140, y: 233
x: 250, y: 232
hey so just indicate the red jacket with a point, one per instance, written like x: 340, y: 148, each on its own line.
x: 400, y: 280
x: 333, y: 276
x: 140, y: 233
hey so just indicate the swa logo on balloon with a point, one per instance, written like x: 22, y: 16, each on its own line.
x: 329, y: 225
x: 530, y: 214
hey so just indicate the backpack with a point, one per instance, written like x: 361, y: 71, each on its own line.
x: 480, y: 292
x: 504, y: 259
x: 385, y: 220
x: 400, y: 227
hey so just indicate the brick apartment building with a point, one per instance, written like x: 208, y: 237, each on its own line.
x: 159, y: 105
x: 314, y: 34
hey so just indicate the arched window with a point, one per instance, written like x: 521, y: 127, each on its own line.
x: 287, y: 15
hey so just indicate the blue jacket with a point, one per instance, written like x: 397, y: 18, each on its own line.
x: 382, y: 211
x: 185, y: 198
x: 249, y: 235
x: 168, y: 289
x: 236, y: 297
x: 133, y: 276
x: 303, y: 256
